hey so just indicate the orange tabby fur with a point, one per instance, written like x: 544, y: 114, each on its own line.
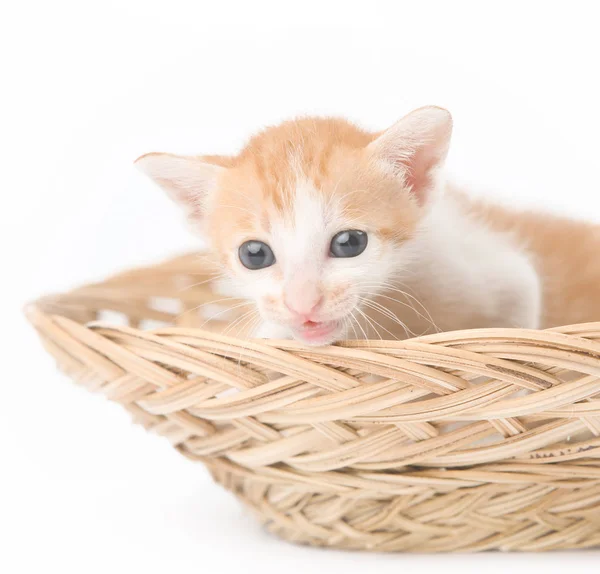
x: 328, y: 152
x: 565, y: 253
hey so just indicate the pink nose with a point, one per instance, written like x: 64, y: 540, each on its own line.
x: 303, y: 306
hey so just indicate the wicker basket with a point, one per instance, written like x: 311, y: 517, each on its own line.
x: 463, y: 441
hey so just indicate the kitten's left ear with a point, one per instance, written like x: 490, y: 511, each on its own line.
x: 187, y: 180
x: 414, y: 149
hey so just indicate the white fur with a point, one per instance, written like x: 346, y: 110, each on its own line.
x: 459, y: 262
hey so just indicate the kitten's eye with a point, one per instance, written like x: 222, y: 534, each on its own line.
x: 348, y: 243
x: 256, y: 255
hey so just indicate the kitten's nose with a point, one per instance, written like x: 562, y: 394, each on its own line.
x: 303, y: 301
x: 302, y: 309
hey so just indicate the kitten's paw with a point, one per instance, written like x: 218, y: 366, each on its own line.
x: 272, y: 331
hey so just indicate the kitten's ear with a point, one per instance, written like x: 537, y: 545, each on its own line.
x: 414, y: 149
x: 187, y: 180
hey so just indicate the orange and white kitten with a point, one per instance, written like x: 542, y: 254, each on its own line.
x: 335, y: 232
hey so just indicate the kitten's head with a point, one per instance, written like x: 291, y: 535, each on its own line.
x: 313, y: 216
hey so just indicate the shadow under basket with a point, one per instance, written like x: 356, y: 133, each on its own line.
x: 463, y: 441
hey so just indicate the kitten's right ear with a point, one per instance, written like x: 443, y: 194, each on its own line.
x: 187, y: 180
x: 414, y: 149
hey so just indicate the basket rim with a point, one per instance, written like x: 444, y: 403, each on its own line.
x: 43, y: 305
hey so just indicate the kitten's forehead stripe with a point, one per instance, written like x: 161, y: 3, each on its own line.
x: 309, y: 141
x: 324, y: 156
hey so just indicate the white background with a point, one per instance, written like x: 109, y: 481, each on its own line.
x: 89, y: 86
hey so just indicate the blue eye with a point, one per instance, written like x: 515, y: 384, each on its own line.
x: 256, y: 255
x: 349, y: 243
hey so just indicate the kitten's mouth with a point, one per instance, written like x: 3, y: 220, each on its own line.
x: 317, y: 332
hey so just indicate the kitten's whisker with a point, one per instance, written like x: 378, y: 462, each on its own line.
x: 387, y: 313
x: 394, y: 287
x: 254, y: 314
x: 253, y: 326
x: 415, y: 299
x: 215, y: 278
x: 352, y: 325
x: 250, y: 324
x: 239, y: 320
x: 391, y: 288
x: 368, y: 320
x: 256, y: 320
x: 380, y: 325
x: 204, y: 305
x: 427, y: 318
x: 366, y: 338
x: 430, y: 321
x: 224, y: 311
x: 390, y: 315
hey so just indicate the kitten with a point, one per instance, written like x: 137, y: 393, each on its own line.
x: 335, y: 232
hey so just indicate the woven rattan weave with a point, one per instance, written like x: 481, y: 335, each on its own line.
x: 461, y: 441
